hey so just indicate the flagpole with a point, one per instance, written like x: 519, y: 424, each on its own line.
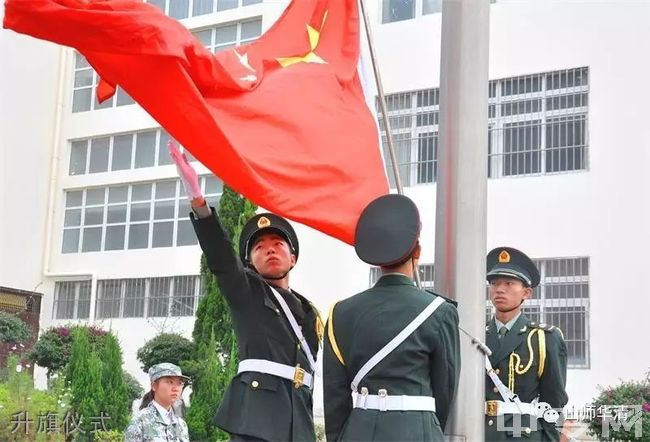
x: 384, y: 112
x: 382, y: 98
x: 461, y: 200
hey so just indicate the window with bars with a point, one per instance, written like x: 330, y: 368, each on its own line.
x: 219, y: 38
x: 537, y: 124
x: 135, y: 216
x: 83, y: 93
x: 133, y: 150
x: 398, y: 10
x: 413, y: 118
x: 180, y: 9
x: 562, y: 300
x: 72, y: 300
x: 147, y: 297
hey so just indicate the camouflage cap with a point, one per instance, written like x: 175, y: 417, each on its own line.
x: 166, y: 369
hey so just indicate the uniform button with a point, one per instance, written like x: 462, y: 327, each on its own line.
x: 490, y: 422
x: 495, y: 389
x: 497, y: 371
x: 277, y: 311
x: 521, y: 367
x: 255, y: 384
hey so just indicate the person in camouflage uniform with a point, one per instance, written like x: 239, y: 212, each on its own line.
x: 157, y: 422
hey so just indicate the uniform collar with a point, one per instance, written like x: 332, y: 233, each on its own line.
x: 508, y: 325
x: 164, y: 413
x: 388, y: 279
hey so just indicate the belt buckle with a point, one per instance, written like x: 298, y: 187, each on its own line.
x: 299, y: 377
x: 491, y: 408
x: 383, y: 395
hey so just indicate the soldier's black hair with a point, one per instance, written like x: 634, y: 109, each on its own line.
x: 146, y: 399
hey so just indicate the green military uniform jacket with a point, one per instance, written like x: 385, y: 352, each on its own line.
x: 531, y: 361
x: 427, y: 363
x: 256, y: 404
x: 149, y: 426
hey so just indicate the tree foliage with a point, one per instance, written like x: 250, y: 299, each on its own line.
x: 165, y: 347
x: 13, y: 329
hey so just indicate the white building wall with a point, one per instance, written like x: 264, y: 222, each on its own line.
x: 602, y: 213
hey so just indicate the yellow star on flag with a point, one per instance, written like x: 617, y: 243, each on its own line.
x: 311, y: 56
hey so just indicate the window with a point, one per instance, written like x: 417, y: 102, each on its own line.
x: 147, y: 297
x: 180, y: 9
x: 71, y: 300
x: 413, y: 117
x: 85, y: 82
x: 431, y: 6
x: 537, y: 124
x: 121, y: 152
x: 398, y: 10
x: 136, y: 216
x: 230, y: 35
x: 562, y: 300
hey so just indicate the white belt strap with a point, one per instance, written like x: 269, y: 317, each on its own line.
x: 384, y: 402
x: 296, y: 330
x: 535, y: 408
x: 507, y: 395
x: 295, y: 374
x: 397, y: 340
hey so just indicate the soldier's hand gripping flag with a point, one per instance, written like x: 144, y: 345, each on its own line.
x: 282, y: 120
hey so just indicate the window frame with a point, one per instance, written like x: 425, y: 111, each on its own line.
x: 147, y: 300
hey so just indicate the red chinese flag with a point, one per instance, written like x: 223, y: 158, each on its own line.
x: 282, y: 120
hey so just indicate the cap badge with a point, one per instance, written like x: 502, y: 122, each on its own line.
x: 263, y: 222
x: 504, y: 257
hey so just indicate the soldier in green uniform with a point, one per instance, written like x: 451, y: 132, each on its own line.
x: 394, y: 347
x: 157, y: 422
x: 525, y: 390
x: 277, y: 329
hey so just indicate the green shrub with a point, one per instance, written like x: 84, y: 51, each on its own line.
x: 53, y: 348
x: 13, y: 329
x: 166, y: 347
x: 133, y: 388
x: 109, y: 436
x: 19, y: 400
x: 626, y: 393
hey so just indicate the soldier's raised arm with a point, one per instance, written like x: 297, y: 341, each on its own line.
x: 217, y: 247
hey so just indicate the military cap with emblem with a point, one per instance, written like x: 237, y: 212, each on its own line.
x: 166, y: 369
x: 510, y: 262
x: 262, y: 224
x: 388, y: 230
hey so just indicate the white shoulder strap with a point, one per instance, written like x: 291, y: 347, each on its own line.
x: 397, y: 340
x: 296, y: 329
x: 505, y: 392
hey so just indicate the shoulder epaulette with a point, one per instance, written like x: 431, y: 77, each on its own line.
x: 546, y: 327
x: 449, y: 300
x: 332, y: 337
